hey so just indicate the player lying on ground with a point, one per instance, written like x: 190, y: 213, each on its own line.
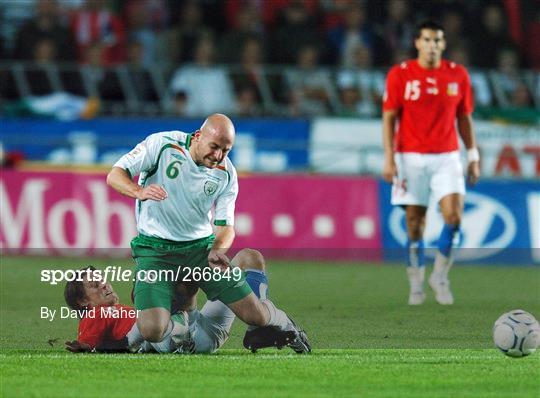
x: 208, y: 329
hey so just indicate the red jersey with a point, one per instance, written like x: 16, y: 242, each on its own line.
x: 106, y: 323
x: 428, y: 101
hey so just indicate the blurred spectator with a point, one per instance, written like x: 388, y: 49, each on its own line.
x: 95, y: 23
x: 508, y: 76
x: 146, y: 18
x: 353, y: 32
x: 370, y: 82
x: 13, y: 14
x: 521, y: 97
x: 44, y: 53
x: 479, y: 80
x: 247, y: 103
x: 202, y: 88
x: 181, y: 39
x: 47, y: 24
x: 309, y: 86
x: 453, y: 25
x: 397, y: 31
x: 295, y: 29
x: 45, y: 98
x: 269, y: 11
x: 102, y: 78
x: 247, y: 25
x: 351, y: 100
x: 489, y: 36
x: 511, y: 82
x: 247, y: 79
x: 139, y: 76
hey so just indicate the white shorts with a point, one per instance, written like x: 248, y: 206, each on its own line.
x: 421, y: 175
x: 209, y: 329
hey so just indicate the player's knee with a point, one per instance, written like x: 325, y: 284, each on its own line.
x: 152, y: 331
x: 249, y: 259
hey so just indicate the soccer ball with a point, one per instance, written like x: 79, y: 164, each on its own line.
x: 516, y: 333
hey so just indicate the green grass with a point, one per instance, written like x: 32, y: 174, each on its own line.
x: 326, y: 373
x: 366, y: 340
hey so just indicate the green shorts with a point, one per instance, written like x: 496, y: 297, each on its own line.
x: 162, y: 264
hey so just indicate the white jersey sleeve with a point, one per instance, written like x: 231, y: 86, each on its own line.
x: 225, y: 202
x: 141, y: 158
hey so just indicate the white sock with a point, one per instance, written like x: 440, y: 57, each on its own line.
x: 442, y: 264
x: 416, y: 278
x: 277, y: 317
x: 134, y: 337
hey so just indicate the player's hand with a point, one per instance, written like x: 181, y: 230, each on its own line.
x: 473, y: 172
x: 216, y: 259
x: 152, y: 192
x: 389, y: 170
x: 75, y: 346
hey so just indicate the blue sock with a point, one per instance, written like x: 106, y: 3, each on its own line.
x: 258, y: 282
x: 415, y: 253
x: 448, y: 238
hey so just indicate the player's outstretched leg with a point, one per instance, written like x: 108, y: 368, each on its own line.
x: 273, y: 335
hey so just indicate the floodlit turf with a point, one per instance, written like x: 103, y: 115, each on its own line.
x: 234, y: 373
x: 367, y: 341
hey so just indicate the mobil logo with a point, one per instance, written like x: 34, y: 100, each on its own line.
x: 487, y: 226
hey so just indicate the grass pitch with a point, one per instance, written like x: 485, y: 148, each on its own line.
x: 366, y: 340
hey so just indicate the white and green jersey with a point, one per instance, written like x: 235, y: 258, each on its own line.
x: 186, y: 214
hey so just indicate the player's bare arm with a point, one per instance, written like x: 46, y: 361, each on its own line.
x: 389, y: 122
x: 217, y: 257
x: 466, y: 131
x: 119, y: 180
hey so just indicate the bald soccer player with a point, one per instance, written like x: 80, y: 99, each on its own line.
x: 181, y: 178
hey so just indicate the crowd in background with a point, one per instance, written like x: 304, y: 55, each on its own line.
x: 194, y: 38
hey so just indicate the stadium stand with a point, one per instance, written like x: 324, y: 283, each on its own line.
x: 301, y: 58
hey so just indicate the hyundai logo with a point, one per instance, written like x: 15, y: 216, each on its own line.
x: 486, y: 225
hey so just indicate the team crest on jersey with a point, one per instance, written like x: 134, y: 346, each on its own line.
x: 210, y: 187
x: 452, y: 89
